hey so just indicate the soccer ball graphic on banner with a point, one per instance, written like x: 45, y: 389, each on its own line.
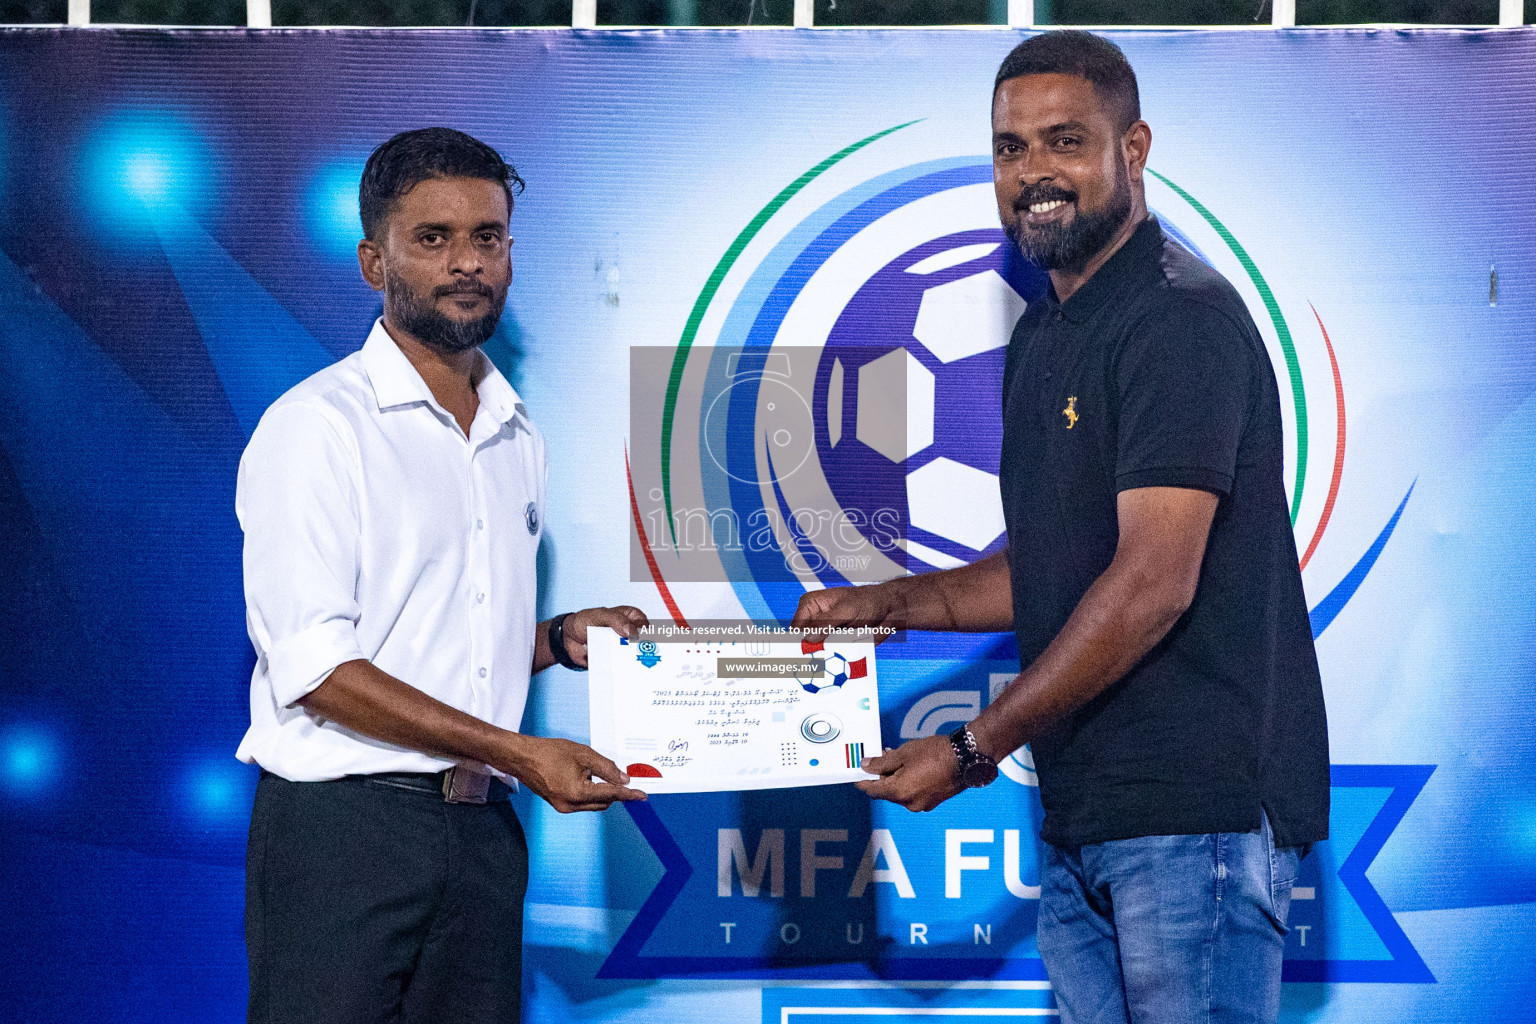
x: 908, y: 400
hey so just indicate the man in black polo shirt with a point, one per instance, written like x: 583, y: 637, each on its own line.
x: 1170, y: 692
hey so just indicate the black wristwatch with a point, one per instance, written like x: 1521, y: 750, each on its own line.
x: 557, y: 643
x: 976, y: 768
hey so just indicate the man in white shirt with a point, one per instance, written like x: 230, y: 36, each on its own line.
x: 392, y: 506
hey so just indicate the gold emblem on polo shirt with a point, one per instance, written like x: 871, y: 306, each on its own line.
x: 1070, y: 412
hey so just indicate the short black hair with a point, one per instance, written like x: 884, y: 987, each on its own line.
x: 1085, y: 55
x: 410, y: 158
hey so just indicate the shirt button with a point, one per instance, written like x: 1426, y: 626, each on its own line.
x: 482, y: 673
x: 479, y: 524
x: 480, y: 598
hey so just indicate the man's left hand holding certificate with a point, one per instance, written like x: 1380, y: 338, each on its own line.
x: 693, y: 717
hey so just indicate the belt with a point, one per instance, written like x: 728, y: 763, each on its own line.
x: 457, y: 785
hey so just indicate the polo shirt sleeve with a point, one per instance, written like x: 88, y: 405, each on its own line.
x: 296, y: 498
x: 1183, y: 381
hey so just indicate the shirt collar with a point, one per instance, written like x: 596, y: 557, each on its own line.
x: 396, y: 382
x: 1143, y: 244
x: 497, y: 395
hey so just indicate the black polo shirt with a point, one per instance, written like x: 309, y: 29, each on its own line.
x: 1152, y: 374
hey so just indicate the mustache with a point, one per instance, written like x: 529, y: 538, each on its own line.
x: 1042, y: 192
x: 463, y: 288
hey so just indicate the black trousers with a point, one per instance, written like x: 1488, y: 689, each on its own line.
x: 368, y: 903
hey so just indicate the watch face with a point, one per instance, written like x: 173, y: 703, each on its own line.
x: 980, y: 773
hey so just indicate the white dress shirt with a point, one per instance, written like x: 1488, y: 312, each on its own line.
x: 374, y: 529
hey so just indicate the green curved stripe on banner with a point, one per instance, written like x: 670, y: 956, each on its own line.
x: 1298, y: 393
x: 711, y: 286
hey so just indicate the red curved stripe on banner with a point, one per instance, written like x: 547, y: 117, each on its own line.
x: 1338, y: 455
x: 642, y: 771
x: 645, y: 546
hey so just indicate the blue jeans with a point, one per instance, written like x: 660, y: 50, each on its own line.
x: 1167, y: 929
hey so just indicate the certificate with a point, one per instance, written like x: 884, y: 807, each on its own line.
x: 681, y: 717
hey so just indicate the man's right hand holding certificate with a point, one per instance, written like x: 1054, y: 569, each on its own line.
x: 977, y: 598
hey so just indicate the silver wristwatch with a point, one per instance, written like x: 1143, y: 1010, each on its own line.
x: 976, y: 768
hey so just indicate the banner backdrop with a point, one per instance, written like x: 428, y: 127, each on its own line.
x: 178, y: 221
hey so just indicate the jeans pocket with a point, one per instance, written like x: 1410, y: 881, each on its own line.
x: 1284, y: 862
x: 1280, y: 905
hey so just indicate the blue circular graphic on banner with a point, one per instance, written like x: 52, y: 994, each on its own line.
x: 933, y: 312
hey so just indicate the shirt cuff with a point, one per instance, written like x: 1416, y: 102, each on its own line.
x: 299, y: 663
x: 1193, y: 477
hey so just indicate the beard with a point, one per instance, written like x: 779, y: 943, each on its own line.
x: 1069, y: 246
x: 419, y: 317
